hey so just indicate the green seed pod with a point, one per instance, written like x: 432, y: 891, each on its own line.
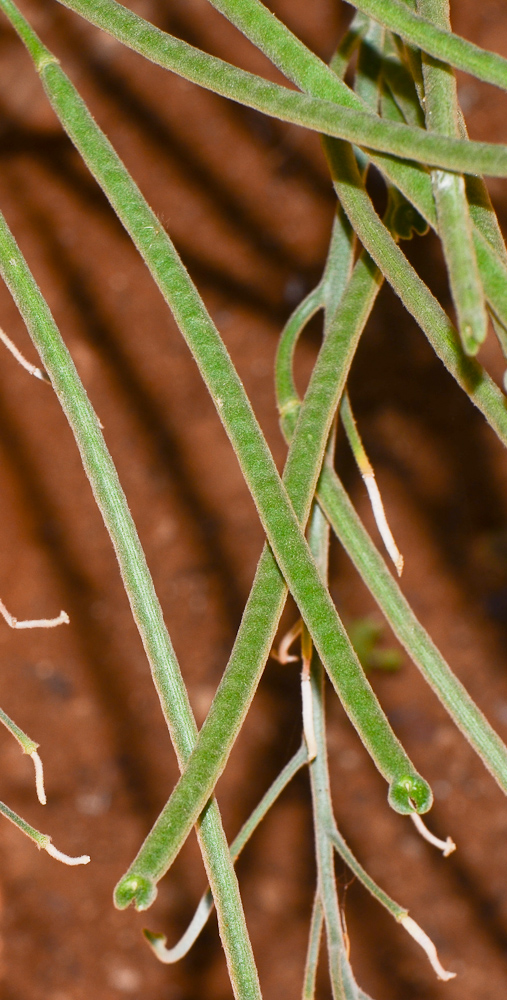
x: 137, y: 889
x: 409, y: 794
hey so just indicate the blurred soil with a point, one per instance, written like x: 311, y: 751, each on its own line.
x: 249, y: 204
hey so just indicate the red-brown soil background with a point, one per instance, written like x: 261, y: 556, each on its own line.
x: 249, y: 204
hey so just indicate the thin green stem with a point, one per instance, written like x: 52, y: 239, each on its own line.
x: 27, y: 745
x: 368, y: 476
x: 312, y: 955
x: 343, y: 984
x: 369, y: 66
x: 351, y: 861
x: 331, y: 294
x: 413, y: 637
x: 320, y: 115
x: 483, y: 215
x: 372, y: 568
x: 367, y: 80
x: 412, y: 291
x: 338, y: 268
x: 43, y: 840
x: 144, y: 603
x: 348, y: 45
x: 454, y: 225
x: 436, y: 41
x: 298, y: 64
x: 398, y: 79
x: 158, y: 941
x: 353, y: 436
x: 312, y: 75
x: 342, y: 981
x: 493, y: 273
x: 296, y: 323
x: 260, y: 473
x: 277, y: 514
x: 401, y: 218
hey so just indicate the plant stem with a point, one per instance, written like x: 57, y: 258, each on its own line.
x: 157, y: 941
x: 343, y: 984
x: 342, y: 980
x: 43, y: 840
x: 312, y: 955
x: 437, y: 41
x: 322, y: 116
x: 144, y: 603
x: 299, y: 65
x: 369, y: 563
x: 279, y: 517
x: 412, y: 291
x: 441, y: 107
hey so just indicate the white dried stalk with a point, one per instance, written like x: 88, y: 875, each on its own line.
x: 39, y: 777
x: 427, y: 945
x: 61, y: 619
x: 381, y: 520
x: 65, y: 858
x: 446, y: 846
x: 16, y: 353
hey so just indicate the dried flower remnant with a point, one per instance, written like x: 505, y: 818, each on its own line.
x: 42, y: 840
x: 446, y: 846
x: 283, y: 656
x: 61, y: 619
x: 427, y: 945
x: 368, y: 476
x: 16, y: 353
